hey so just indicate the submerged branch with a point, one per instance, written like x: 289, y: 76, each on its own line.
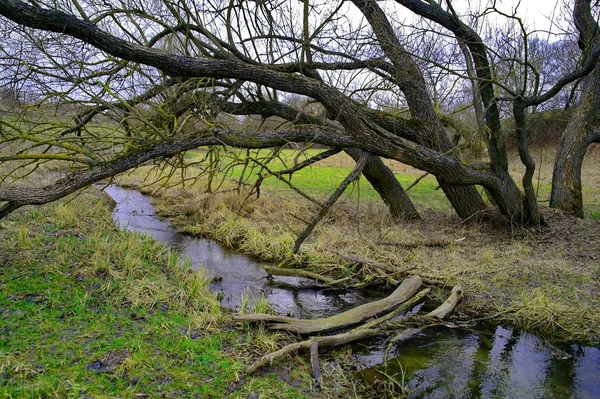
x: 276, y: 271
x: 375, y: 327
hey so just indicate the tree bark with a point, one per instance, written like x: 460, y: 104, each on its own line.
x: 359, y: 131
x: 359, y: 314
x: 580, y: 132
x: 376, y: 172
x: 531, y: 209
x: 387, y: 186
x: 567, y: 194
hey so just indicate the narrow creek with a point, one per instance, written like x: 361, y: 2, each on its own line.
x: 490, y: 362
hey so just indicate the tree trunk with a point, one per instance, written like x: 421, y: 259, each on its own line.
x: 578, y: 135
x: 465, y: 200
x: 566, y: 178
x: 530, y: 206
x: 510, y: 200
x: 580, y: 132
x: 387, y: 186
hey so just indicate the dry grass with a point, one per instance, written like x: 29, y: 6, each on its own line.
x: 539, y: 279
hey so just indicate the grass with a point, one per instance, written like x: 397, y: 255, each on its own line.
x: 543, y: 280
x: 321, y: 179
x: 89, y: 311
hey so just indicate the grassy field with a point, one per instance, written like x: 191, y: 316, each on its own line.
x: 323, y: 177
x: 545, y: 280
x: 90, y: 311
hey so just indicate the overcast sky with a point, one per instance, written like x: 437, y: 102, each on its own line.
x: 537, y: 14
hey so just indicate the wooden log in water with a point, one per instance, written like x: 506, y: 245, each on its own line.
x: 361, y: 313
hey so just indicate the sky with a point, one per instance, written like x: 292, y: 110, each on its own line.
x: 536, y: 14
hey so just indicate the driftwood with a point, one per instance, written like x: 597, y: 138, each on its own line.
x: 276, y: 271
x: 346, y: 319
x: 330, y: 341
x: 404, y: 307
x: 375, y: 327
x: 314, y: 362
x: 448, y: 306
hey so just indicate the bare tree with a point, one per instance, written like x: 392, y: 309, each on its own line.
x: 163, y: 71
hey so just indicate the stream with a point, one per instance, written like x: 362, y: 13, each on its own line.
x: 490, y: 362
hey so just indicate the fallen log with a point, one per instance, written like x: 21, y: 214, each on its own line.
x: 396, y: 312
x: 277, y: 271
x: 313, y: 344
x: 330, y: 341
x: 346, y: 319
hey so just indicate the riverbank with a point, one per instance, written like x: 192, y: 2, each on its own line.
x: 87, y: 310
x: 544, y: 280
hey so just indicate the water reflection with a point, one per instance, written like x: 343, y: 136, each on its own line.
x: 452, y: 363
x: 237, y: 273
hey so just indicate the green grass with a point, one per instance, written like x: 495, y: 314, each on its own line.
x: 88, y: 311
x: 321, y: 179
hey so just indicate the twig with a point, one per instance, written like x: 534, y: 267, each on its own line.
x: 314, y: 361
x: 417, y: 181
x: 355, y: 174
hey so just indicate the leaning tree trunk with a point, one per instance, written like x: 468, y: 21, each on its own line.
x: 578, y: 135
x: 566, y: 178
x: 465, y: 200
x: 387, y: 186
x: 580, y: 132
